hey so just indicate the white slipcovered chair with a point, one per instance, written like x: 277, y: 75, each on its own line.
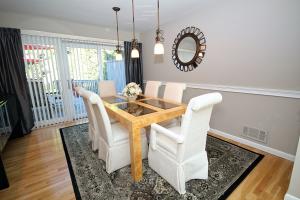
x: 174, y: 91
x: 178, y: 153
x: 113, y: 141
x: 152, y: 88
x: 107, y: 88
x: 85, y: 94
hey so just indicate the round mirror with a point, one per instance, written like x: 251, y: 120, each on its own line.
x: 186, y: 49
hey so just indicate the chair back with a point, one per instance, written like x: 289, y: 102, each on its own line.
x: 195, y: 123
x: 174, y: 91
x: 107, y: 88
x: 152, y: 88
x: 85, y: 94
x: 103, y: 125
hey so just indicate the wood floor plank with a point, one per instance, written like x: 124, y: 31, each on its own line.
x: 37, y: 169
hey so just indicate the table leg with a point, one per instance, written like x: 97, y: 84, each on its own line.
x: 136, y: 153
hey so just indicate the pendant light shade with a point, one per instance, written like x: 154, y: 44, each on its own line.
x: 158, y: 47
x: 119, y: 56
x: 118, y: 52
x: 135, y: 53
x: 134, y: 43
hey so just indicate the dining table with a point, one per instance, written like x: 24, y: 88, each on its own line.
x: 138, y: 114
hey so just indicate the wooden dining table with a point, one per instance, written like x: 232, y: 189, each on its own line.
x: 139, y: 114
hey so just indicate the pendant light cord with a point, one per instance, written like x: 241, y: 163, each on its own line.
x: 133, y: 20
x: 158, y: 15
x: 117, y: 29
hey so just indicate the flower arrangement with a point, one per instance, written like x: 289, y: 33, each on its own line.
x: 132, y: 90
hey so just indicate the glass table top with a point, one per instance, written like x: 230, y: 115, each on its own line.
x: 135, y: 109
x: 113, y: 99
x: 159, y: 103
x: 139, y: 97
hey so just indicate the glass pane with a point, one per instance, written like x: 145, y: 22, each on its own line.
x: 84, y: 66
x: 113, y: 69
x: 44, y: 81
x: 139, y: 97
x: 135, y: 109
x: 113, y: 100
x: 84, y: 70
x: 159, y: 103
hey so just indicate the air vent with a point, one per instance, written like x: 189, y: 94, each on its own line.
x: 255, y: 134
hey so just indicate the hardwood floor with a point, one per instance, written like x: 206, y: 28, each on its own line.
x: 37, y: 169
x: 269, y: 180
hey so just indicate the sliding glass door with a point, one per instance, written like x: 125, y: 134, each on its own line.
x: 83, y: 71
x: 55, y: 66
x: 44, y: 76
x: 112, y: 69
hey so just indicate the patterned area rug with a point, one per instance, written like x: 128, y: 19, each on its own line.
x: 228, y: 166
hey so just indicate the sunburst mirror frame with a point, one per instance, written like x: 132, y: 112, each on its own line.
x: 200, y: 41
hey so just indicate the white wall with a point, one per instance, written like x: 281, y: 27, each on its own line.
x: 249, y: 44
x: 27, y: 22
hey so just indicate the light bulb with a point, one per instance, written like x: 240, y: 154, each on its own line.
x: 118, y: 56
x: 135, y: 53
x: 159, y: 48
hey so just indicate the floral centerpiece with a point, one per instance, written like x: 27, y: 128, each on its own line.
x: 131, y: 91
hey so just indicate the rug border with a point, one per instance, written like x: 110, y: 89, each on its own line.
x: 222, y: 197
x: 244, y: 174
x: 70, y: 167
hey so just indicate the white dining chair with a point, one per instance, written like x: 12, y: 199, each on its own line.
x: 152, y: 88
x: 85, y: 94
x: 113, y: 141
x: 178, y: 153
x: 174, y: 91
x: 107, y: 88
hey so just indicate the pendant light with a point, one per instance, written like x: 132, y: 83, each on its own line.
x: 158, y: 47
x: 134, y: 42
x: 118, y: 47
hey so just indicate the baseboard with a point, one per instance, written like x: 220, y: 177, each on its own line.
x: 290, y: 197
x: 255, y: 145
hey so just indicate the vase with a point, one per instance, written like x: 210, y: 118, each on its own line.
x: 131, y: 98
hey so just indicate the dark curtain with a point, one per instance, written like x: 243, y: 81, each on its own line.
x: 133, y: 66
x: 12, y: 75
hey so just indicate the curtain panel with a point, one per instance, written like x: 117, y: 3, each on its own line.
x: 12, y: 75
x: 133, y: 66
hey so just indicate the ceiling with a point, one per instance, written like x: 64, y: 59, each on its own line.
x: 99, y: 12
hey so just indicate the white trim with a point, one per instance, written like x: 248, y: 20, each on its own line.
x: 295, y: 94
x: 71, y: 37
x: 290, y: 197
x: 255, y: 145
